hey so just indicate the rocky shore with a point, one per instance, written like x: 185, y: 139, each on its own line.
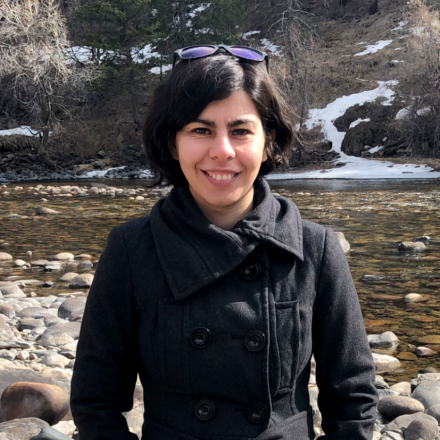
x: 38, y: 338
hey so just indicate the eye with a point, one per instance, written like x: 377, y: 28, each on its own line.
x: 241, y: 132
x: 201, y: 130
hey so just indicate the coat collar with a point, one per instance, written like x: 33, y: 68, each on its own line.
x: 194, y: 253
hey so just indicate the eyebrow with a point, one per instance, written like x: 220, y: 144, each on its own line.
x: 231, y: 124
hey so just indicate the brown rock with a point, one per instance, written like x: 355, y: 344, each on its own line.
x: 28, y: 399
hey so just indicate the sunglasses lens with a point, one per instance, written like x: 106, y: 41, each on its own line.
x: 247, y: 53
x: 196, y: 52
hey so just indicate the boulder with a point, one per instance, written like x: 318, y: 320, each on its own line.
x: 12, y: 291
x: 27, y: 399
x: 29, y: 324
x: 422, y: 429
x: 384, y: 362
x: 20, y: 429
x: 428, y: 393
x: 60, y: 334
x: 403, y: 421
x: 434, y: 411
x: 31, y: 312
x: 49, y: 433
x: 395, y: 406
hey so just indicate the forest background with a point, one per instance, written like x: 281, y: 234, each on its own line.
x: 81, y: 72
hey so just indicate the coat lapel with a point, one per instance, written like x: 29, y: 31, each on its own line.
x: 194, y: 253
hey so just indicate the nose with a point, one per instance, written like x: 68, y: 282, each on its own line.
x: 221, y: 148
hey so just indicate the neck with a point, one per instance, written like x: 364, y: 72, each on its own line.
x: 227, y: 217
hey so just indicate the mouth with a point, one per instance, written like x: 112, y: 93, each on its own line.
x: 221, y: 177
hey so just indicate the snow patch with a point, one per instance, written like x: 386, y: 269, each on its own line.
x: 246, y: 35
x: 375, y: 149
x: 397, y: 61
x: 373, y: 48
x: 165, y: 68
x: 268, y: 45
x: 358, y: 121
x: 22, y: 131
x: 400, y: 26
x: 98, y: 173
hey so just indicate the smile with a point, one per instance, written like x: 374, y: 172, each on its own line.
x: 220, y: 176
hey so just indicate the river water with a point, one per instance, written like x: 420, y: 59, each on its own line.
x: 375, y: 217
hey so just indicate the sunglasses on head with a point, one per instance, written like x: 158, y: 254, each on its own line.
x: 206, y: 50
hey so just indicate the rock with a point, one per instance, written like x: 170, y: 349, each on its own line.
x: 27, y: 399
x: 65, y: 427
x: 7, y: 310
x: 345, y: 245
x: 372, y: 278
x: 422, y: 429
x: 31, y: 312
x: 413, y: 297
x: 12, y: 291
x: 425, y: 351
x: 63, y: 256
x: 10, y: 355
x: 40, y: 263
x: 70, y: 306
x: 20, y: 429
x: 414, y: 246
x: 135, y: 419
x: 386, y: 393
x: 385, y: 340
x: 42, y: 210
x: 49, y: 433
x: 86, y: 264
x: 402, y: 388
x: 403, y: 421
x: 83, y: 257
x: 434, y: 411
x: 384, y: 362
x: 94, y: 191
x: 406, y: 356
x: 5, y: 257
x: 395, y: 406
x: 5, y: 331
x: 428, y: 393
x: 83, y: 280
x: 391, y: 435
x: 58, y: 376
x: 424, y: 238
x: 29, y: 323
x: 55, y: 360
x: 431, y: 339
x: 60, y: 334
x: 68, y: 276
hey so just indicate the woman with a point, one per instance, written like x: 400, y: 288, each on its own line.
x: 220, y: 297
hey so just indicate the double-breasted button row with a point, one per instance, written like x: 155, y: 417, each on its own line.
x: 254, y: 340
x: 250, y: 270
x: 256, y: 413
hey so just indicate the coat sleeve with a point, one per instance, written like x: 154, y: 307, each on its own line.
x: 344, y: 364
x: 106, y: 365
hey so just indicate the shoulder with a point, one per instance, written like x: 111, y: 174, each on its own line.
x: 132, y: 232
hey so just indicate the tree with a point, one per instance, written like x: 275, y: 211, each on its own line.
x: 35, y: 64
x: 117, y: 32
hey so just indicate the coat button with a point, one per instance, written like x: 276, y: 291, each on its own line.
x: 257, y: 413
x: 205, y: 410
x: 200, y: 337
x: 255, y: 340
x: 250, y: 270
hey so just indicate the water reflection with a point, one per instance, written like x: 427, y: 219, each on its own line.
x: 374, y: 216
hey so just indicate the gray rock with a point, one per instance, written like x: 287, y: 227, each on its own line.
x: 53, y: 320
x: 49, y: 433
x: 345, y: 245
x: 29, y: 323
x: 21, y: 429
x: 414, y: 246
x: 402, y: 388
x: 70, y: 306
x: 83, y: 280
x: 385, y: 340
x: 68, y: 276
x: 395, y: 406
x: 135, y: 419
x: 434, y: 411
x: 60, y: 334
x: 422, y: 429
x: 384, y: 362
x: 54, y: 360
x: 428, y: 393
x: 403, y: 421
x: 10, y: 355
x: 5, y: 331
x: 31, y: 312
x: 12, y: 291
x: 392, y: 435
x: 386, y: 393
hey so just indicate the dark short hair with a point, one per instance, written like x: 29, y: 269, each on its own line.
x: 191, y: 87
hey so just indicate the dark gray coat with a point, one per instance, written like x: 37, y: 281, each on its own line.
x: 221, y: 326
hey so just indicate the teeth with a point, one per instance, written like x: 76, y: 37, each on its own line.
x: 221, y: 176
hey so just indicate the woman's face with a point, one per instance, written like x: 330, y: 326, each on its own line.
x: 221, y: 152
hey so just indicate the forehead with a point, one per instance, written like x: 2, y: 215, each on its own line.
x: 237, y: 105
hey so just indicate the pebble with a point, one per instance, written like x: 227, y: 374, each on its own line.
x: 413, y: 297
x: 83, y: 280
x: 5, y: 257
x: 425, y: 351
x: 384, y: 362
x: 43, y: 210
x: 55, y: 360
x: 68, y: 276
x: 64, y: 256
